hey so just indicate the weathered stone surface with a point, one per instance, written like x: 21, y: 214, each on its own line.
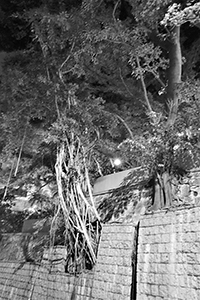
x: 111, y: 278
x: 168, y: 260
x: 169, y: 264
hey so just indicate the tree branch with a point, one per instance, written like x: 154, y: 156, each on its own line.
x: 122, y: 79
x: 125, y: 124
x: 144, y: 86
x: 158, y: 78
x: 174, y: 73
x: 114, y: 10
x: 64, y: 62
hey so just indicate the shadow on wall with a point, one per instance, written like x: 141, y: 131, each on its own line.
x: 118, y: 196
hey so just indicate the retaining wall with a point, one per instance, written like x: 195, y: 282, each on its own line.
x: 167, y: 260
x: 168, y: 256
x: 111, y: 278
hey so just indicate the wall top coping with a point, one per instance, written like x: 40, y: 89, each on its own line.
x: 131, y: 224
x: 171, y: 209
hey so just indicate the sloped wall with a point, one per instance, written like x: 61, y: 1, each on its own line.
x: 111, y: 278
x: 169, y: 255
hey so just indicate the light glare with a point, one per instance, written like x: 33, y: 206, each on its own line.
x: 117, y: 162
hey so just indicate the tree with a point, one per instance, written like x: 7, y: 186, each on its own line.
x: 147, y: 36
x: 92, y: 75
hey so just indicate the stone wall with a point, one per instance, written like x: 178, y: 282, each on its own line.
x: 168, y: 258
x: 111, y: 278
x: 188, y: 190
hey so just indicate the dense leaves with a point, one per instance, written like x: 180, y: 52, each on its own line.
x: 88, y: 81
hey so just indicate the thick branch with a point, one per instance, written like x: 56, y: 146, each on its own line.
x: 174, y: 73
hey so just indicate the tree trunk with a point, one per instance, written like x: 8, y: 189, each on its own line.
x: 167, y: 189
x: 163, y: 195
x: 158, y: 202
x: 174, y: 74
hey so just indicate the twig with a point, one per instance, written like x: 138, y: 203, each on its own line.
x: 84, y: 230
x: 48, y: 74
x: 126, y: 125
x: 98, y: 166
x: 158, y: 78
x: 20, y: 152
x: 144, y: 86
x: 90, y: 192
x: 53, y: 222
x: 122, y: 79
x: 58, y: 168
x: 114, y: 10
x: 57, y: 108
x: 8, y: 182
x: 62, y: 65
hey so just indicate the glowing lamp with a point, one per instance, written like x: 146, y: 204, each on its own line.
x: 117, y: 162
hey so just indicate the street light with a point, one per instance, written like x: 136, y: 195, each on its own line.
x: 117, y: 162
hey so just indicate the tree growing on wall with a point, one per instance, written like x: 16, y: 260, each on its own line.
x: 144, y: 39
x: 92, y: 75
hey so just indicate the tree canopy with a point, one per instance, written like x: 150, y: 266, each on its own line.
x: 86, y: 81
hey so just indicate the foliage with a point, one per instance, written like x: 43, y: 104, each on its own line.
x: 92, y: 81
x: 10, y: 221
x: 163, y: 150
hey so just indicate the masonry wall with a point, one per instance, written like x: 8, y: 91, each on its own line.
x: 111, y: 278
x: 168, y: 259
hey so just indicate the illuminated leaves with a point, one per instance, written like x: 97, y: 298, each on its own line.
x: 177, y: 16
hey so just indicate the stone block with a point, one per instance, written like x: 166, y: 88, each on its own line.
x: 141, y: 247
x: 162, y: 268
x: 116, y: 297
x: 99, y: 294
x: 157, y: 279
x: 184, y: 281
x: 125, y: 253
x: 181, y: 257
x: 153, y: 248
x: 117, y: 288
x: 165, y: 257
x: 146, y: 222
x: 165, y: 238
x: 144, y: 288
x: 150, y: 297
x: 140, y: 267
x: 153, y: 267
x: 142, y: 277
x: 151, y: 278
x: 128, y: 229
x: 192, y: 258
x: 163, y: 291
x: 124, y: 280
x: 124, y: 270
x: 173, y: 292
x: 161, y: 248
x: 141, y: 296
x: 141, y: 258
x: 121, y: 244
x: 193, y: 269
x: 157, y: 238
x: 182, y: 268
x: 126, y: 261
